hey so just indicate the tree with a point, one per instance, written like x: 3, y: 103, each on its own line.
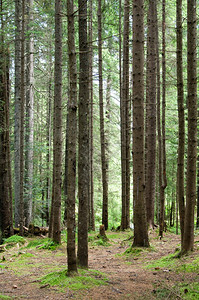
x: 22, y: 103
x: 181, y: 122
x: 83, y: 138
x: 57, y: 132
x: 188, y: 239
x: 29, y: 119
x: 72, y: 138
x: 151, y: 114
x: 17, y: 110
x: 125, y: 124
x: 102, y: 134
x: 140, y: 224
x: 163, y: 148
x: 6, y: 225
x: 91, y: 185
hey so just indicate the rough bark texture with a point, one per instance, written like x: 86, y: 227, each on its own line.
x: 102, y: 134
x: 164, y: 179
x: 151, y: 114
x: 21, y: 205
x: 125, y: 125
x: 57, y: 138
x: 72, y: 139
x: 188, y: 239
x: 140, y: 223
x: 83, y: 153
x: 91, y: 185
x: 29, y: 118
x: 181, y: 122
x: 6, y: 226
x: 17, y: 110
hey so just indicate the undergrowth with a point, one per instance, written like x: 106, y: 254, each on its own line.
x: 85, y: 279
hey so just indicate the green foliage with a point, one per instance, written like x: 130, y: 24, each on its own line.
x: 5, y: 297
x: 98, y: 241
x: 84, y: 280
x: 13, y: 240
x: 190, y: 290
x: 164, y: 262
x: 46, y: 243
x: 133, y: 251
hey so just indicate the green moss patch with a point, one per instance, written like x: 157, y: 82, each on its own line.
x: 13, y: 240
x: 85, y: 279
x: 5, y: 297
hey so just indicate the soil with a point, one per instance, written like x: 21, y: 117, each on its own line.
x: 128, y: 278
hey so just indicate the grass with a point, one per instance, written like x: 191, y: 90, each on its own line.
x: 85, y: 279
x: 5, y: 297
x: 13, y: 240
x: 98, y: 241
x: 45, y: 243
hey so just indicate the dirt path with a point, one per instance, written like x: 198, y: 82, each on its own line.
x: 126, y: 279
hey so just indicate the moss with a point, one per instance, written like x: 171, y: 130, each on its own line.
x: 13, y: 240
x: 5, y: 297
x: 45, y: 243
x: 165, y: 262
x: 85, y: 279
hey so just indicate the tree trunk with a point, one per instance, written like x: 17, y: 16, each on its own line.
x: 6, y: 226
x: 29, y: 117
x: 102, y: 134
x: 140, y: 223
x: 188, y: 239
x: 83, y: 151
x: 151, y: 114
x: 125, y: 128
x: 17, y: 110
x: 72, y: 138
x: 91, y: 185
x: 181, y: 122
x: 57, y: 138
x: 21, y: 205
x: 164, y: 179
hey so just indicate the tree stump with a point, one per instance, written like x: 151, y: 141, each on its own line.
x: 102, y: 233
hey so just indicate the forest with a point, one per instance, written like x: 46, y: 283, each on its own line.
x: 99, y: 123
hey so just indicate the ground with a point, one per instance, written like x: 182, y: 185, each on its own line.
x: 127, y: 276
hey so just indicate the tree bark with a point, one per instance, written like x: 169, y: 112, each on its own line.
x: 188, y: 239
x: 83, y: 139
x: 57, y: 138
x: 151, y: 114
x: 91, y: 185
x: 29, y: 134
x: 181, y: 122
x: 72, y: 138
x: 102, y: 133
x: 140, y: 223
x: 125, y: 126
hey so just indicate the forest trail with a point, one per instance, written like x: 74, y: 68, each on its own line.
x: 127, y: 276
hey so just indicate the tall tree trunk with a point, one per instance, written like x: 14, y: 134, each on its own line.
x: 164, y: 179
x: 17, y: 110
x: 48, y: 137
x: 188, y: 239
x: 140, y: 223
x: 91, y: 185
x: 102, y: 135
x: 181, y: 122
x: 72, y: 138
x: 125, y: 135
x: 6, y: 226
x: 21, y: 221
x: 151, y: 114
x: 29, y: 117
x: 57, y: 133
x: 83, y: 140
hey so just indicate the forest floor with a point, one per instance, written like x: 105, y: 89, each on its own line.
x: 137, y: 274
